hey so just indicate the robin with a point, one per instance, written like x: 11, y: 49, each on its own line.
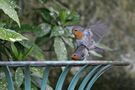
x: 86, y: 38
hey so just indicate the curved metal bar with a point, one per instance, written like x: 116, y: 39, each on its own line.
x: 97, y: 75
x: 76, y: 78
x: 62, y: 78
x: 45, y: 78
x: 27, y: 78
x: 92, y: 71
x: 8, y: 75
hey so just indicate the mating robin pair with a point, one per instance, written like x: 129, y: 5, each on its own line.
x: 86, y: 39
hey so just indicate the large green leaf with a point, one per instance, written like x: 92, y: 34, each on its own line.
x: 44, y: 29
x: 10, y: 35
x: 8, y: 8
x: 36, y: 51
x: 68, y: 41
x: 60, y: 49
x: 19, y: 77
x: 57, y: 31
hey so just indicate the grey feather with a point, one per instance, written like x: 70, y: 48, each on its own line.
x: 99, y: 30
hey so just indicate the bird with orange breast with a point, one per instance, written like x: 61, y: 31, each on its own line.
x: 87, y: 38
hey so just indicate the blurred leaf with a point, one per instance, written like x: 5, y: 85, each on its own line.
x: 63, y: 15
x: 36, y: 79
x: 68, y: 32
x: 37, y: 71
x: 14, y: 50
x: 19, y: 77
x: 10, y: 35
x: 72, y: 19
x: 42, y: 40
x: 102, y: 46
x: 60, y: 49
x: 6, y: 6
x: 48, y: 87
x: 2, y: 24
x: 95, y: 53
x: 27, y: 28
x: 28, y: 52
x: 45, y: 13
x: 36, y: 51
x: 68, y: 41
x: 20, y: 56
x: 6, y: 53
x: 3, y: 84
x: 45, y: 29
x: 57, y: 31
x: 42, y: 1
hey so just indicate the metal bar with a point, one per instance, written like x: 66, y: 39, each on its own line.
x: 75, y: 79
x: 45, y: 78
x: 91, y: 73
x: 27, y: 78
x: 97, y: 75
x: 8, y: 75
x: 61, y: 63
x: 62, y: 78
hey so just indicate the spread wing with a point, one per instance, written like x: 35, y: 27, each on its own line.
x: 99, y: 30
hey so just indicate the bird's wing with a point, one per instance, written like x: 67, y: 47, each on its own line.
x: 99, y: 30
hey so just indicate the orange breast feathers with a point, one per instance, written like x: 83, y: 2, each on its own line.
x: 78, y: 34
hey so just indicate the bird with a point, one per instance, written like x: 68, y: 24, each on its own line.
x: 90, y: 35
x: 86, y: 39
x: 81, y: 52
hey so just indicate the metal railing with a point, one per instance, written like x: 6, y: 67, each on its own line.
x: 95, y: 70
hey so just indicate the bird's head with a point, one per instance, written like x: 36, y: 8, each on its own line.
x: 79, y: 53
x: 78, y: 32
x: 76, y: 57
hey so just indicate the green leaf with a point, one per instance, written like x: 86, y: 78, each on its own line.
x: 63, y: 15
x: 60, y: 49
x: 10, y: 35
x: 36, y: 51
x: 3, y: 84
x: 44, y: 29
x: 25, y: 55
x: 68, y: 41
x: 45, y: 13
x: 36, y: 80
x: 57, y: 31
x: 14, y: 50
x: 102, y: 46
x: 95, y: 53
x: 8, y: 8
x: 19, y: 77
x: 72, y: 19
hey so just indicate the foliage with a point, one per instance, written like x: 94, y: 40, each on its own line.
x: 41, y: 31
x: 26, y: 41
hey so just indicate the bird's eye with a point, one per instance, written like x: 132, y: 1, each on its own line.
x: 75, y: 30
